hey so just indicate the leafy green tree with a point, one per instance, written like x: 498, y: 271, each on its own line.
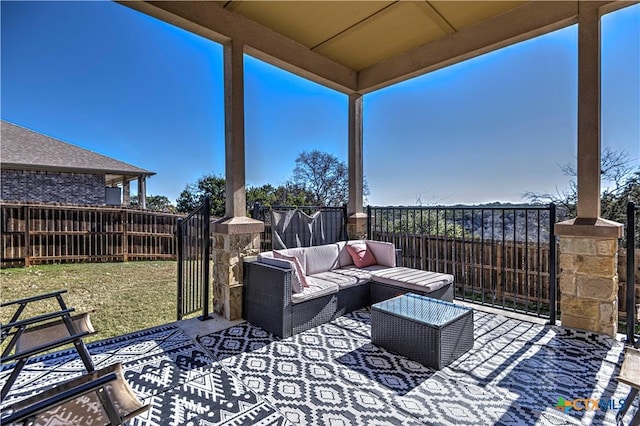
x: 283, y: 195
x: 194, y: 193
x: 156, y: 203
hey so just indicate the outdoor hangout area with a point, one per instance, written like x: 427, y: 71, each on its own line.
x: 516, y: 372
x: 351, y: 338
x: 354, y: 314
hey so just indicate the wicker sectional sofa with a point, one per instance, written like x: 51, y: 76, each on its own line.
x: 335, y: 286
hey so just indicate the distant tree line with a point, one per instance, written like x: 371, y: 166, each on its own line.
x: 318, y: 179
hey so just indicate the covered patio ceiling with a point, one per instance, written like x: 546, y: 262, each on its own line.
x: 360, y: 46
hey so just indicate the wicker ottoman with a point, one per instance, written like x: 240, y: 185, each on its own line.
x: 429, y: 331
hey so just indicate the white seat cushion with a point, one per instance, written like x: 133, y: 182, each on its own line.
x: 321, y: 258
x: 362, y: 275
x: 317, y: 288
x: 412, y: 279
x: 343, y: 280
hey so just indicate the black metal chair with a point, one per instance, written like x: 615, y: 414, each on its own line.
x: 101, y: 397
x: 38, y: 334
x: 630, y: 375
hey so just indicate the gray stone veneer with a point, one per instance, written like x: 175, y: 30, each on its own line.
x: 52, y: 187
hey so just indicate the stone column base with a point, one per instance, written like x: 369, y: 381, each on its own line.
x: 234, y: 239
x: 357, y: 226
x: 588, y: 263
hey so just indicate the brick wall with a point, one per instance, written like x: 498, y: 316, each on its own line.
x: 52, y: 187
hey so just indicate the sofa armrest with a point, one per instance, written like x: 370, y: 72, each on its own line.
x: 267, y: 296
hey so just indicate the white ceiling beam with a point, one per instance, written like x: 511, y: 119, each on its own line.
x: 215, y: 23
x: 512, y: 26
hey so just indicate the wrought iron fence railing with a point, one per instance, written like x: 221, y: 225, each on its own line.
x: 632, y: 235
x: 501, y: 256
x: 193, y: 242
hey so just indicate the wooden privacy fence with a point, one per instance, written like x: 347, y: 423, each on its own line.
x: 37, y: 233
x: 493, y: 272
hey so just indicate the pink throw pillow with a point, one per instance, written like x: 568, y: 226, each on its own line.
x: 296, y: 267
x: 361, y: 255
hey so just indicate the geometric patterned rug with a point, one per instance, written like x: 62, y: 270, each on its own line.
x: 333, y: 375
x: 514, y: 375
x: 167, y: 370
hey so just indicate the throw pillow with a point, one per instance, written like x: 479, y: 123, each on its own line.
x: 361, y: 255
x: 299, y: 279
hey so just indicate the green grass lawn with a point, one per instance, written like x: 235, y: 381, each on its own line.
x: 122, y: 297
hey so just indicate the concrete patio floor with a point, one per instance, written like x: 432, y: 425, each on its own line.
x: 221, y: 373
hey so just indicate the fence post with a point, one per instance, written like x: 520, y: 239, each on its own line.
x: 27, y: 236
x: 179, y: 247
x: 206, y: 256
x: 255, y: 211
x: 368, y: 222
x: 631, y: 269
x: 125, y: 236
x: 553, y: 258
x: 345, y: 220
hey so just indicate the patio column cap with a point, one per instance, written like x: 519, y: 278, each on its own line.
x: 589, y: 228
x: 237, y: 225
x: 357, y: 217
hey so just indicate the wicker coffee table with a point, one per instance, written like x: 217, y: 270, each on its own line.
x: 429, y: 331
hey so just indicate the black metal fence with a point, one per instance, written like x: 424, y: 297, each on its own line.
x: 632, y: 243
x: 261, y: 212
x: 501, y: 256
x: 194, y: 244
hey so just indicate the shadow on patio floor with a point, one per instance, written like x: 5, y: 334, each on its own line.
x: 332, y: 374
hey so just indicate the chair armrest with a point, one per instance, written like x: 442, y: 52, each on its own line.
x: 33, y: 298
x: 45, y: 347
x: 267, y: 297
x: 271, y: 282
x: 34, y: 320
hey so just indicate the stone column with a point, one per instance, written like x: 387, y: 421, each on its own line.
x: 142, y: 192
x: 589, y: 151
x: 357, y: 219
x: 126, y: 192
x: 589, y: 244
x: 234, y: 239
x: 234, y: 130
x: 589, y: 282
x: 236, y: 236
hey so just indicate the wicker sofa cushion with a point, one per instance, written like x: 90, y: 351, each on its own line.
x: 412, y: 279
x: 298, y: 253
x: 317, y: 288
x: 343, y: 280
x: 385, y: 253
x: 361, y: 255
x: 299, y: 279
x: 321, y: 258
x: 361, y: 274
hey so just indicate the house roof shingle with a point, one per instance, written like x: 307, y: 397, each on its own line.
x: 21, y: 148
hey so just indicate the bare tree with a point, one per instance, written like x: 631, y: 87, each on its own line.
x: 620, y: 176
x: 324, y: 176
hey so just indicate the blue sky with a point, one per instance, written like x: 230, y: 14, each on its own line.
x: 112, y: 80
